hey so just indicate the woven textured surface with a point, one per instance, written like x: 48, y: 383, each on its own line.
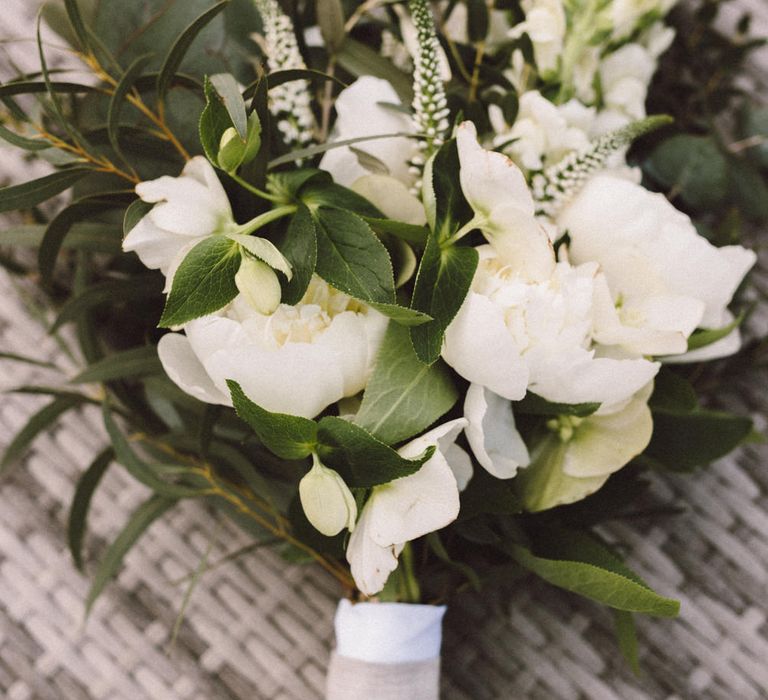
x: 260, y: 629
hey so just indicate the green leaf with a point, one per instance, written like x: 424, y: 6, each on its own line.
x: 538, y: 406
x: 753, y: 128
x: 361, y: 459
x: 299, y: 245
x: 359, y: 59
x: 415, y: 235
x: 288, y: 437
x: 136, y: 289
x: 597, y: 583
x: 94, y: 238
x: 81, y: 503
x: 451, y: 209
x: 62, y: 223
x: 135, y: 212
x: 693, y: 167
x: 117, y: 100
x: 14, y: 357
x: 487, y: 494
x: 27, y: 144
x: 351, y: 258
x: 404, y: 396
x: 683, y: 441
x: 141, y: 519
x: 229, y: 92
x: 702, y: 337
x: 128, y: 364
x: 76, y: 20
x: 402, y: 314
x: 204, y: 282
x: 672, y: 392
x: 180, y: 47
x: 442, y: 283
x: 477, y: 20
x: 31, y: 87
x: 626, y: 636
x: 280, y: 77
x: 40, y: 421
x: 32, y: 193
x: 317, y: 192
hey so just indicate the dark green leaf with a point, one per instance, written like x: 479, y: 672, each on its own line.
x: 401, y: 314
x: 127, y: 364
x: 359, y: 59
x: 403, y: 396
x: 477, y: 20
x: 280, y: 77
x: 76, y: 20
x: 320, y: 193
x: 674, y: 393
x: 289, y: 437
x: 299, y: 245
x: 487, y: 494
x: 95, y: 238
x: 204, y: 282
x: 141, y: 519
x: 40, y: 421
x: 29, y: 87
x: 27, y: 360
x: 81, y: 503
x: 117, y: 100
x: 135, y: 212
x: 702, y: 337
x: 416, y: 235
x: 442, y: 283
x: 361, y: 459
x: 626, y: 636
x: 22, y: 142
x: 229, y: 92
x: 351, y: 258
x: 538, y: 406
x: 30, y: 194
x: 180, y: 47
x: 450, y: 206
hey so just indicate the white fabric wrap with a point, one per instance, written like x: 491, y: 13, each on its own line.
x: 386, y: 651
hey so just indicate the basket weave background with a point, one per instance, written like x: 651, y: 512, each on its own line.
x: 259, y: 629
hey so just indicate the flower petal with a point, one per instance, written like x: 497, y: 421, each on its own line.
x: 185, y: 369
x: 370, y: 563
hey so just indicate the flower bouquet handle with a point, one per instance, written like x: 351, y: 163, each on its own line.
x: 386, y: 651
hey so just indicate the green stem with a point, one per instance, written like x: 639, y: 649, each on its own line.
x: 476, y: 221
x: 411, y: 592
x: 265, y: 218
x: 255, y: 190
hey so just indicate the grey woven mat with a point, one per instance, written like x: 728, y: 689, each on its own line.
x: 259, y: 629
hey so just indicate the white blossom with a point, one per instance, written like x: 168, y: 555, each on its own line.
x: 326, y: 499
x: 545, y: 23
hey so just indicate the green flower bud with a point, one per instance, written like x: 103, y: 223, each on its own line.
x: 258, y: 283
x: 233, y: 151
x: 327, y: 501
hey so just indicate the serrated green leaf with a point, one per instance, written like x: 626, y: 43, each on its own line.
x: 204, y: 282
x: 32, y: 193
x: 140, y: 520
x: 442, y: 283
x: 415, y: 235
x: 228, y: 90
x: 594, y: 582
x: 351, y: 258
x: 264, y: 250
x: 36, y: 424
x: 401, y: 314
x: 317, y: 192
x: 128, y: 364
x: 81, y: 502
x: 538, y: 406
x: 361, y: 459
x: 289, y: 437
x: 451, y: 207
x: 298, y: 243
x: 403, y: 397
x: 178, y: 50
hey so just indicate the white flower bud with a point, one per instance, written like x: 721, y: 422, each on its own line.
x: 258, y: 284
x: 327, y: 501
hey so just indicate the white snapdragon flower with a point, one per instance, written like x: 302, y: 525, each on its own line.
x: 455, y: 28
x: 187, y: 209
x: 298, y: 360
x: 665, y: 279
x: 407, y: 508
x: 579, y: 454
x: 543, y: 132
x: 512, y: 335
x: 370, y: 107
x: 626, y: 14
x: 545, y: 23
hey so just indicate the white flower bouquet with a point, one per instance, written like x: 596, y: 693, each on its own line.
x: 379, y: 281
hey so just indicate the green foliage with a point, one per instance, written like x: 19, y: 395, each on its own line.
x: 128, y: 364
x: 30, y: 194
x: 403, y: 397
x: 537, y: 406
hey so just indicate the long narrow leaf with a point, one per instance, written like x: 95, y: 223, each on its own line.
x: 39, y: 422
x: 28, y: 360
x: 117, y: 101
x: 76, y: 20
x: 23, y: 142
x: 93, y: 237
x: 32, y: 193
x: 129, y: 364
x: 176, y: 54
x: 142, y: 518
x: 81, y: 503
x: 30, y: 87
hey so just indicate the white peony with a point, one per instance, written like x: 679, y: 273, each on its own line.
x: 407, y: 508
x: 299, y: 360
x: 663, y: 279
x: 370, y: 107
x: 187, y: 209
x: 512, y: 335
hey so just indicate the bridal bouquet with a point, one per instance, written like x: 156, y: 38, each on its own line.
x: 379, y: 281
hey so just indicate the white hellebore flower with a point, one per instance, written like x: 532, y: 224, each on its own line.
x: 504, y: 210
x: 298, y: 360
x: 407, y: 508
x: 663, y: 279
x: 187, y: 209
x: 370, y: 107
x: 512, y: 335
x: 579, y: 454
x: 327, y: 501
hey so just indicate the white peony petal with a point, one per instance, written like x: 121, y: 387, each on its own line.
x: 492, y: 434
x: 460, y: 463
x: 370, y: 563
x: 185, y: 369
x: 479, y: 347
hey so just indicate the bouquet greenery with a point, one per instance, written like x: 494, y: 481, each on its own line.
x: 382, y: 281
